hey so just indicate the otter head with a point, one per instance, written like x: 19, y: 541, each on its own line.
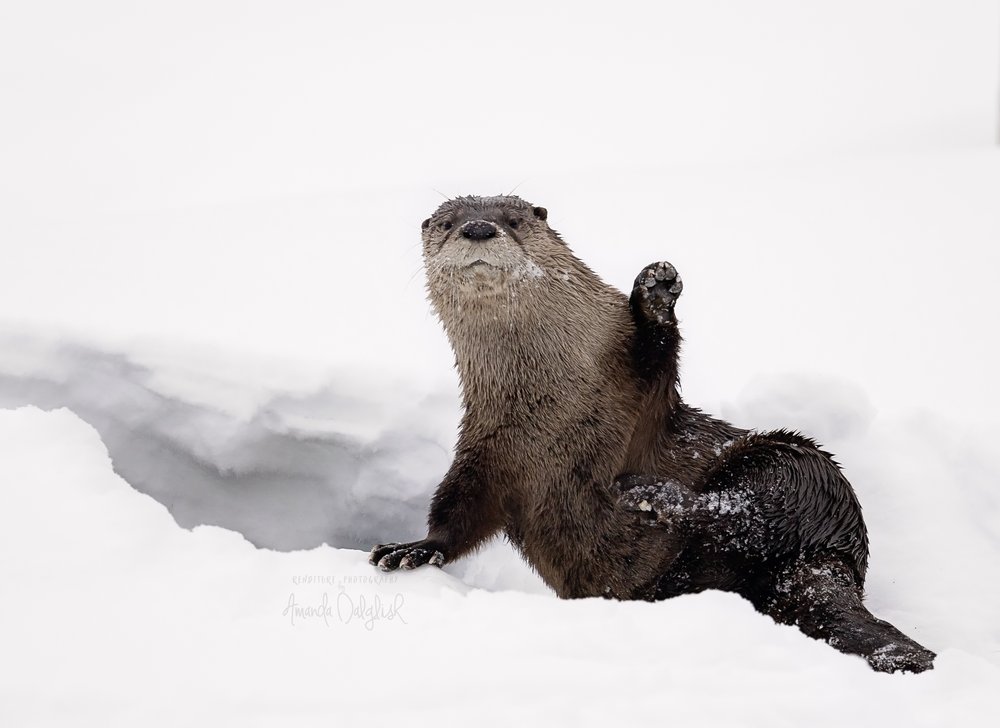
x: 482, y: 246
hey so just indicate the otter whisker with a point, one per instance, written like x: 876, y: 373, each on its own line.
x: 415, y: 274
x: 517, y: 185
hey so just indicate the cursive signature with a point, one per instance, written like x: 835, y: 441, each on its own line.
x: 347, y: 609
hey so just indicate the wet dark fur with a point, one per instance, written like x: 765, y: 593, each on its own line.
x: 576, y: 444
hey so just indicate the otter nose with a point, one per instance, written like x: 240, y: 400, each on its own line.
x: 479, y: 230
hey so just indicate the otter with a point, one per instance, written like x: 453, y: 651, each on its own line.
x: 576, y: 444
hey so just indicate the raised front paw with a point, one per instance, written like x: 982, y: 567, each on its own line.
x: 392, y: 556
x: 656, y: 290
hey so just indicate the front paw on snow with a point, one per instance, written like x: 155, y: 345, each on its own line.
x: 392, y: 556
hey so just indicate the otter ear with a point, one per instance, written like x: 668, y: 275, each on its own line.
x: 425, y: 224
x: 540, y: 212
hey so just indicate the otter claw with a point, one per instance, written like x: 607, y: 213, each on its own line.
x: 419, y: 557
x: 378, y: 553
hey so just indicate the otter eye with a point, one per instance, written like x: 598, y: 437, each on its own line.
x: 446, y: 225
x: 513, y: 223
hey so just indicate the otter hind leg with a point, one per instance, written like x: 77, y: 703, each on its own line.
x: 821, y: 597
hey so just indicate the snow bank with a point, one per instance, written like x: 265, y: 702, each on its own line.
x: 286, y: 461
x: 287, y: 469
x: 351, y: 464
x: 113, y: 614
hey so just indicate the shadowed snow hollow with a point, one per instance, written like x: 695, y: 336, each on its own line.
x: 288, y: 470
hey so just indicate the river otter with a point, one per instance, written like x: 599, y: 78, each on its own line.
x: 575, y: 443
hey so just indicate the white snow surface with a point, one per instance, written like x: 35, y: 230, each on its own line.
x: 113, y: 614
x: 221, y: 383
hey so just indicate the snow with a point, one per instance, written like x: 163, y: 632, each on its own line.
x: 128, y: 616
x: 222, y: 383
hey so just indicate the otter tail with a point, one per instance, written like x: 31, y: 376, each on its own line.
x: 821, y: 597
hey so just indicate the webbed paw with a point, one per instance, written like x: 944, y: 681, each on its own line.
x: 656, y: 291
x: 392, y: 556
x: 653, y: 498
